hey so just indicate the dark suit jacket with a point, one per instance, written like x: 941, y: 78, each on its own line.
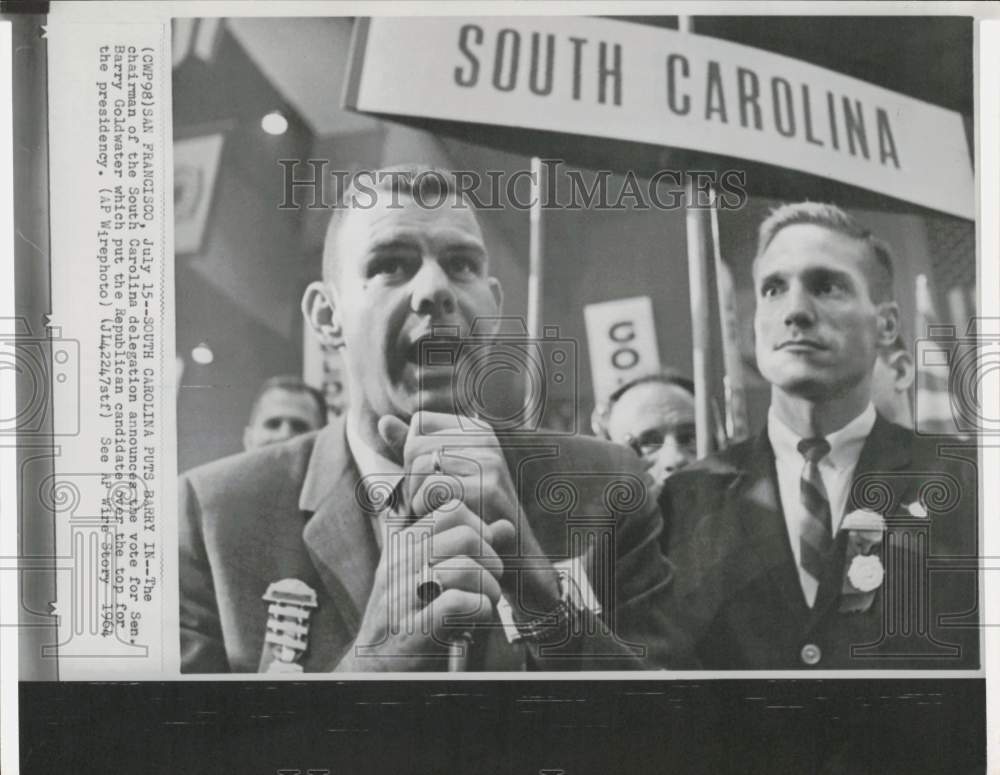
x: 291, y: 510
x: 737, y: 602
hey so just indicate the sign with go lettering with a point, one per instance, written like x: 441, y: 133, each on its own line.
x: 621, y: 339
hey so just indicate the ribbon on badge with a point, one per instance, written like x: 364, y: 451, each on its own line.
x: 863, y: 570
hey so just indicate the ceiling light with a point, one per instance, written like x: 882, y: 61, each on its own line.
x: 202, y: 354
x: 274, y: 123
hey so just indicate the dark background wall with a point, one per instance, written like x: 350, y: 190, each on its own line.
x: 237, y: 293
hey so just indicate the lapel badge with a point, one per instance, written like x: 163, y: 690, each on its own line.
x: 863, y: 572
x: 291, y: 603
x: 916, y: 509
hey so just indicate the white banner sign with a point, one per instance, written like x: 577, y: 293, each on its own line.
x: 621, y: 338
x: 628, y: 81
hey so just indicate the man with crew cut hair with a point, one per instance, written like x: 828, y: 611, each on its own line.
x: 408, y: 534
x: 808, y: 547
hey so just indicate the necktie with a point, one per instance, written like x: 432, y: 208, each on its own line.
x: 814, y: 531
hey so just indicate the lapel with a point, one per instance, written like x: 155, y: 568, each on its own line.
x: 756, y: 504
x: 887, y: 448
x: 338, y: 535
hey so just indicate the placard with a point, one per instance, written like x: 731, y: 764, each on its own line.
x: 626, y: 81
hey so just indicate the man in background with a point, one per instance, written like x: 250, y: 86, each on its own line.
x: 892, y: 383
x: 654, y: 416
x: 285, y: 407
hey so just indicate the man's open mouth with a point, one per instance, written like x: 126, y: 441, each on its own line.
x: 434, y: 351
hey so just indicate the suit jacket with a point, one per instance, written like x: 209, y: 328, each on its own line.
x: 291, y: 510
x: 737, y: 602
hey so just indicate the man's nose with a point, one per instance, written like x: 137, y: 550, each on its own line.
x: 671, y: 456
x: 432, y: 293
x: 799, y: 310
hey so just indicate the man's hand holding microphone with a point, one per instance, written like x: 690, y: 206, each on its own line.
x: 452, y: 553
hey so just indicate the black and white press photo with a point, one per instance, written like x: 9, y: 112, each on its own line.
x: 728, y: 264
x: 500, y: 388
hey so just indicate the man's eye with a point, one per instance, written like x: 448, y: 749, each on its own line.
x: 770, y: 289
x: 686, y: 437
x: 829, y: 287
x: 651, y: 439
x: 461, y: 266
x: 272, y: 423
x: 391, y: 266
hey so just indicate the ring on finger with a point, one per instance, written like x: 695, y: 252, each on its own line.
x: 428, y: 587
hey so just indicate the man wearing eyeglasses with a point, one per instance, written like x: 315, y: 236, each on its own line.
x: 654, y: 416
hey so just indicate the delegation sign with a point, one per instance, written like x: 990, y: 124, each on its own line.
x: 621, y: 337
x: 626, y: 81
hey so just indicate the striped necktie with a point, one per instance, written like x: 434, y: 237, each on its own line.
x: 814, y: 531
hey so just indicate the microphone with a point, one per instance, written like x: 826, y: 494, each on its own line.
x: 394, y: 433
x: 458, y: 652
x: 287, y: 635
x: 428, y: 590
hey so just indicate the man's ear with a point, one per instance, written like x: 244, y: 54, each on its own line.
x: 497, y: 290
x: 903, y: 370
x: 319, y: 306
x: 888, y: 323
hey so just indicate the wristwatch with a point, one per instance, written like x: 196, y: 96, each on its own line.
x: 576, y: 598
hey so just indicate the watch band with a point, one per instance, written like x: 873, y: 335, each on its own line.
x: 576, y: 597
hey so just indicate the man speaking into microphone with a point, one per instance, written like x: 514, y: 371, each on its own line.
x: 412, y: 534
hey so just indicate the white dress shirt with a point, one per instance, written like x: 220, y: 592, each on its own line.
x: 836, y: 469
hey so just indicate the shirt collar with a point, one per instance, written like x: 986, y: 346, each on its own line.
x: 373, y: 467
x: 845, y: 443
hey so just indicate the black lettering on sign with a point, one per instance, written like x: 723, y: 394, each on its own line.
x: 578, y: 44
x: 550, y: 54
x: 625, y: 358
x: 807, y: 118
x: 831, y: 111
x: 784, y: 117
x: 673, y: 61
x: 498, y: 61
x: 886, y: 143
x: 715, y: 99
x: 854, y: 123
x: 469, y: 79
x: 749, y: 88
x: 606, y: 72
x: 622, y: 331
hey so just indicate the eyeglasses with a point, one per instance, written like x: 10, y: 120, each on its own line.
x: 649, y: 442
